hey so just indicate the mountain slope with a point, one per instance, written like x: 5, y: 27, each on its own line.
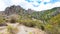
x: 41, y: 15
x: 47, y: 14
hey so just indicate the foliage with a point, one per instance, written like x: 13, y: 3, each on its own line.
x: 2, y: 19
x: 44, y: 15
x: 53, y: 25
x: 27, y: 22
x: 12, y: 30
x: 30, y: 32
x: 13, y: 18
x: 12, y: 21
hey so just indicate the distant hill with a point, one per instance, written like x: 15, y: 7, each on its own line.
x: 41, y: 15
x: 46, y: 14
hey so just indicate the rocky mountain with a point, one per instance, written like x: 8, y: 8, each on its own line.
x: 17, y: 10
x: 13, y: 10
x: 42, y: 15
x: 47, y: 20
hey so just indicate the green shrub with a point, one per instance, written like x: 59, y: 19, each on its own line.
x: 2, y: 20
x: 53, y: 25
x: 13, y: 20
x: 51, y: 29
x: 30, y: 32
x: 29, y: 23
x: 12, y: 30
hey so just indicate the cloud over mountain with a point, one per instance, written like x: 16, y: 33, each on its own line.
x: 37, y: 5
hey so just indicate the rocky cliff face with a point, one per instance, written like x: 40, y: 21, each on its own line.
x: 16, y: 10
x: 13, y: 10
x: 19, y: 10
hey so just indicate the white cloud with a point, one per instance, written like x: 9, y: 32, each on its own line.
x: 48, y: 6
x: 43, y: 6
x: 17, y: 2
x: 2, y: 5
x: 57, y: 4
x: 26, y: 5
x: 45, y: 0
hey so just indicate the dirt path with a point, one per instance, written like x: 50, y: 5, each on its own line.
x: 28, y: 30
x: 25, y: 30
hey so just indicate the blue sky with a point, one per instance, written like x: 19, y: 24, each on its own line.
x: 37, y: 5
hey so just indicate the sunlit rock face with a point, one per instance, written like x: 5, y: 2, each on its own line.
x: 29, y: 11
x: 12, y: 10
x: 17, y: 10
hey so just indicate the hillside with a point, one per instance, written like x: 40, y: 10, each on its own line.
x: 47, y: 20
x: 47, y: 14
x: 41, y: 15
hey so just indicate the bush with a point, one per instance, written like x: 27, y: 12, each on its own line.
x: 53, y: 25
x: 29, y: 23
x: 2, y: 21
x: 13, y: 20
x: 12, y: 30
x: 30, y: 32
x: 50, y: 29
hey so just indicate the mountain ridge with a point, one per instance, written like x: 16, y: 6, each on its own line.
x: 34, y: 14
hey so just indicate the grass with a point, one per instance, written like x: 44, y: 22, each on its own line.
x: 30, y: 32
x: 12, y: 30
